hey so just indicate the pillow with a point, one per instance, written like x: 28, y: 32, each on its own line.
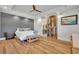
x: 20, y: 29
x: 23, y: 29
x: 26, y: 29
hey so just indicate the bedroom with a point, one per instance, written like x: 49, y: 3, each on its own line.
x: 27, y: 23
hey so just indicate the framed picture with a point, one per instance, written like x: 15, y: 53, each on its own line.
x: 69, y: 20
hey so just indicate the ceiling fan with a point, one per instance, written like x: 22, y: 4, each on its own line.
x: 34, y: 9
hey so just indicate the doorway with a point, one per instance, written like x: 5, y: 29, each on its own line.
x: 52, y: 26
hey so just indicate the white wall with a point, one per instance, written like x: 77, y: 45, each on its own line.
x: 65, y: 31
x: 38, y: 25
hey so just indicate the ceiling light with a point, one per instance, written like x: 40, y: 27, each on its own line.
x: 39, y: 20
x: 5, y: 7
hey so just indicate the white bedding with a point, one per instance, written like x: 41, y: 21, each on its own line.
x: 22, y: 35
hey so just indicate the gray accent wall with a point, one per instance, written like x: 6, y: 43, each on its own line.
x: 10, y: 24
x: 0, y: 25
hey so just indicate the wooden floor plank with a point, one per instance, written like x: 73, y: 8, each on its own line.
x: 19, y: 47
x: 34, y: 49
x: 10, y: 49
x: 1, y: 47
x: 51, y: 46
x: 59, y: 46
x: 48, y: 48
x: 43, y: 46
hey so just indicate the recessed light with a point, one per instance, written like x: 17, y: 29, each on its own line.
x: 5, y: 7
x: 39, y: 20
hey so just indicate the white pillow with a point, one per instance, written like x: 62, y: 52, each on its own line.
x: 20, y: 29
x: 26, y: 29
x: 23, y: 29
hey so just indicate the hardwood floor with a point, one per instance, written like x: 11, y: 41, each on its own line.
x: 42, y: 46
x: 75, y: 50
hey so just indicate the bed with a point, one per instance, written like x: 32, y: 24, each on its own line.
x: 23, y: 33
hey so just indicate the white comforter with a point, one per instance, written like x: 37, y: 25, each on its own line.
x: 22, y: 35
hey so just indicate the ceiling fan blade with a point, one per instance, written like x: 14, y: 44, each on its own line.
x: 38, y: 11
x: 34, y: 7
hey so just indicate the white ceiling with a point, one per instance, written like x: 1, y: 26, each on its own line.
x: 28, y: 8
x: 25, y: 9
